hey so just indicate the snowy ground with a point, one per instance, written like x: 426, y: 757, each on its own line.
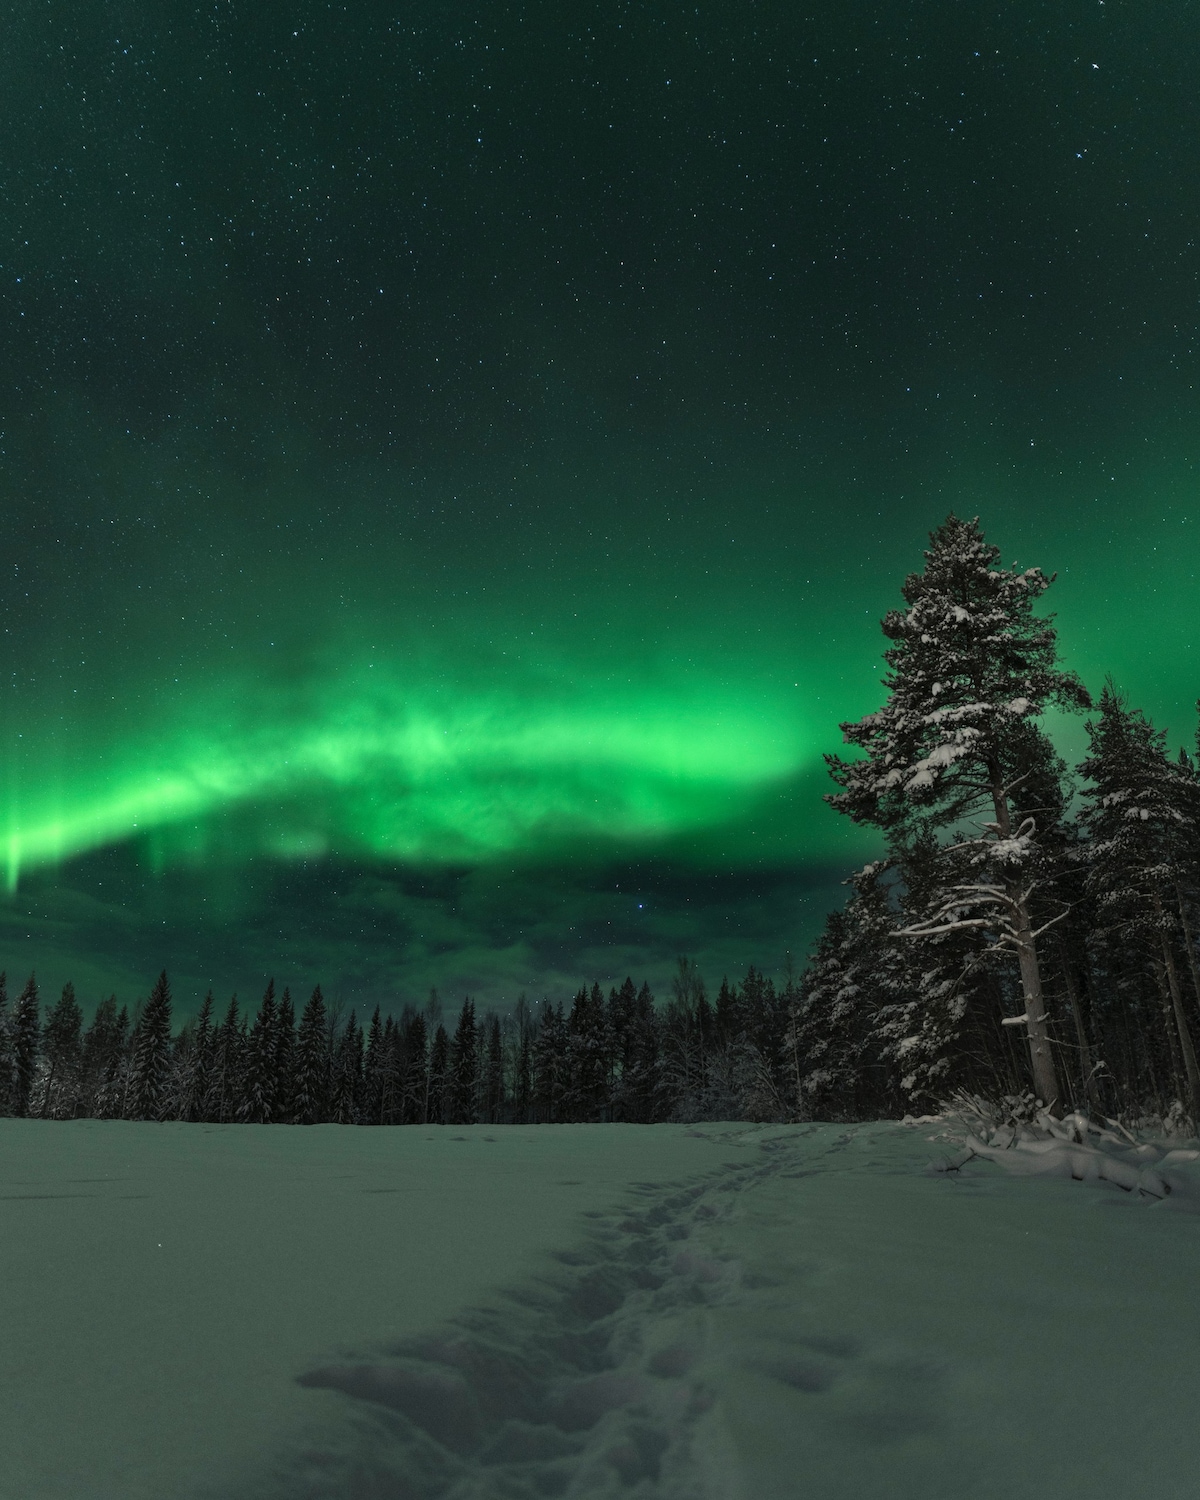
x: 725, y: 1311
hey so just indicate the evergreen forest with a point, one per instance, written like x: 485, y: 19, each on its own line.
x: 1027, y: 936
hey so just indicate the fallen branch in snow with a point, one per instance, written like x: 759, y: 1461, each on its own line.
x: 1073, y: 1147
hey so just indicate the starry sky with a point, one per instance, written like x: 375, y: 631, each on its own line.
x: 454, y: 457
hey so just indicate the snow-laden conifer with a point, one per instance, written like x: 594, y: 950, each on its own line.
x: 1140, y: 817
x: 969, y: 663
x: 26, y: 1045
x: 311, y: 1100
x: 150, y: 1066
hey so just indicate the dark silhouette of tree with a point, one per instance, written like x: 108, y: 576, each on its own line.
x: 439, y: 1070
x: 285, y: 1060
x: 150, y: 1067
x: 227, y: 1066
x: 347, y: 1073
x: 197, y: 1080
x: 8, y: 1057
x: 374, y: 1065
x: 260, y: 1082
x: 414, y: 1070
x: 62, y: 1048
x: 588, y: 1057
x: 312, y: 1063
x: 491, y: 1077
x: 463, y: 1081
x: 26, y: 1045
x: 1142, y: 832
x: 550, y: 1065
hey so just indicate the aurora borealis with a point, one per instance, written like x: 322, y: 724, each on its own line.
x: 455, y: 459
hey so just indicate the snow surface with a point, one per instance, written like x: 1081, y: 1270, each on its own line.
x: 728, y: 1311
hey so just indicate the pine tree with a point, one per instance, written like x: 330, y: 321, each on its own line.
x: 256, y: 1103
x: 151, y: 1061
x: 285, y: 1061
x: 312, y: 1064
x: 588, y: 1059
x: 414, y: 1071
x: 227, y: 1066
x: 1142, y: 832
x: 347, y: 1073
x: 391, y: 1110
x: 641, y: 1094
x: 62, y: 1048
x: 373, y: 1073
x: 26, y: 1044
x: 198, y: 1078
x: 463, y: 1082
x: 439, y: 1067
x: 522, y: 1091
x: 492, y: 1099
x: 550, y: 1065
x: 969, y: 663
x: 8, y: 1060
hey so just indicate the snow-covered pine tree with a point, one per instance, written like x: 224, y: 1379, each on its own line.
x: 439, y: 1065
x: 1140, y: 820
x: 227, y: 1066
x: 285, y: 1060
x: 491, y: 1075
x: 61, y: 1047
x: 347, y: 1073
x: 8, y: 1061
x: 199, y: 1063
x: 373, y: 1067
x: 588, y: 1057
x: 837, y: 1022
x: 463, y: 1078
x: 259, y: 1084
x: 26, y: 1045
x: 150, y: 1066
x: 414, y: 1069
x: 969, y: 661
x: 106, y: 1060
x: 550, y: 1065
x: 311, y: 1100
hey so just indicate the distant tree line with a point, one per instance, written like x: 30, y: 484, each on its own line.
x: 1026, y: 936
x: 614, y: 1057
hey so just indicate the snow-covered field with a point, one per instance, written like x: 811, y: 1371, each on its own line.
x: 737, y: 1311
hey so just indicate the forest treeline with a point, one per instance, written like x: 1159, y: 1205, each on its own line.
x: 606, y: 1057
x: 1029, y: 935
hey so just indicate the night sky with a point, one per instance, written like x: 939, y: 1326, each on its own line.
x: 455, y: 456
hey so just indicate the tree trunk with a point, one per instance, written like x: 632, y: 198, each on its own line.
x: 1181, y: 1021
x: 1045, y: 1080
x: 1169, y: 1028
x: 1085, y: 1052
x: 1188, y: 943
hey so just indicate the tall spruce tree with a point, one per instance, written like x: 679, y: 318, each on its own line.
x: 26, y: 1045
x: 1142, y: 832
x: 311, y: 1100
x: 463, y: 1083
x: 227, y: 1065
x: 968, y: 664
x: 150, y: 1066
x: 285, y: 1060
x: 8, y: 1060
x: 62, y: 1047
x: 259, y: 1084
x: 200, y: 1064
x: 438, y: 1084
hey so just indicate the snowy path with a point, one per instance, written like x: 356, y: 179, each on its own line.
x: 724, y: 1311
